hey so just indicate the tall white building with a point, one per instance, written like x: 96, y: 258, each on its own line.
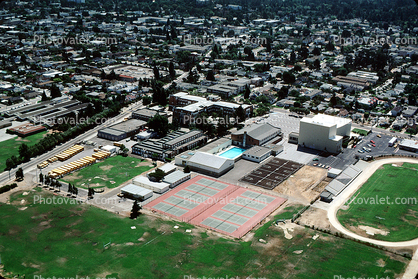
x: 324, y: 132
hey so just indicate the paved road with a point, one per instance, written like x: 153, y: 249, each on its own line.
x: 412, y: 269
x: 4, y: 177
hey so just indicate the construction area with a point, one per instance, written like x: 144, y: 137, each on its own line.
x: 307, y: 183
x: 217, y: 206
x: 272, y: 173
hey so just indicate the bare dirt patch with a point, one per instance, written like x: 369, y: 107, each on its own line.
x: 315, y: 217
x: 144, y: 237
x: 303, y: 183
x: 105, y: 168
x: 72, y: 177
x: 373, y: 231
x: 362, y: 230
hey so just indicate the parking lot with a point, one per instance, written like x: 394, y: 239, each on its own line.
x: 281, y: 120
x: 348, y: 156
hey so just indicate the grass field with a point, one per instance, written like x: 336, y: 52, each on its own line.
x: 67, y: 240
x: 110, y: 173
x: 10, y: 147
x: 399, y: 184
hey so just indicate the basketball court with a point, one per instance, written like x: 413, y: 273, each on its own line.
x: 216, y: 205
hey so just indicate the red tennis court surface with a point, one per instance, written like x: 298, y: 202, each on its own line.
x: 216, y: 205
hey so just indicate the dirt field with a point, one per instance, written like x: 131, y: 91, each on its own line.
x: 315, y: 217
x: 304, y: 183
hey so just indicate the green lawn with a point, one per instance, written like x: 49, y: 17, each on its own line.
x: 398, y: 184
x: 10, y: 147
x: 110, y: 173
x: 360, y: 132
x: 67, y: 240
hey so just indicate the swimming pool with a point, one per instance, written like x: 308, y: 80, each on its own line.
x: 232, y: 153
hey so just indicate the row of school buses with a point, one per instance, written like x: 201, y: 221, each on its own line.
x: 78, y: 164
x: 65, y: 155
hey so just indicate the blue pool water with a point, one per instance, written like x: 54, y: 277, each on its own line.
x: 232, y: 153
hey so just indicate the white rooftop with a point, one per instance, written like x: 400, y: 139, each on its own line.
x: 209, y: 160
x: 136, y: 190
x: 327, y: 120
x: 145, y: 180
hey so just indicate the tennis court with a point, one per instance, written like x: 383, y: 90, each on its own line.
x: 191, y: 198
x: 216, y: 205
x: 272, y: 173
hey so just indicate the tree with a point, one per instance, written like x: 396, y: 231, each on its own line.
x: 210, y: 75
x: 55, y: 91
x: 41, y: 178
x: 10, y: 164
x: 186, y: 169
x: 330, y: 46
x: 156, y: 73
x: 159, y: 124
x: 317, y: 64
x: 240, y: 113
x: 171, y: 70
x: 47, y: 180
x: 282, y: 93
x: 316, y: 51
x: 124, y: 150
x: 24, y: 152
x: 288, y: 78
x: 135, y: 210
x: 157, y: 175
x: 44, y: 97
x: 19, y: 174
x: 247, y: 92
x: 90, y: 193
x: 345, y: 33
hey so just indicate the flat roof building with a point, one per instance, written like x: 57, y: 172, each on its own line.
x: 187, y: 107
x: 324, y: 132
x: 146, y: 114
x: 257, y: 154
x: 157, y: 187
x: 409, y: 145
x: 170, y: 145
x: 122, y: 130
x: 136, y: 192
x: 176, y: 178
x: 256, y: 134
x: 205, y: 163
